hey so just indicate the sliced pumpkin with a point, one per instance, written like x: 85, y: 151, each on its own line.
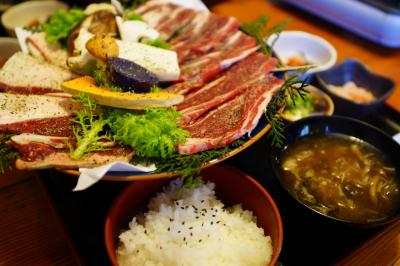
x: 126, y: 100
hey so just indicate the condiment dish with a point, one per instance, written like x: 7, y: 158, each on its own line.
x: 303, y: 48
x: 231, y: 186
x: 355, y: 71
x: 321, y: 125
x: 29, y: 12
x: 321, y: 103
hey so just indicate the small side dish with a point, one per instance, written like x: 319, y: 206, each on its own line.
x: 352, y: 92
x: 314, y: 102
x: 341, y: 176
x: 298, y: 48
x: 355, y: 90
x: 196, y: 229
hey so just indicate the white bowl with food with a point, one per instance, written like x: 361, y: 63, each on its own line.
x: 8, y: 47
x: 202, y: 226
x: 298, y: 48
x: 29, y: 13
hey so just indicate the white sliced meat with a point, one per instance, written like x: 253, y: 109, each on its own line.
x: 29, y: 74
x: 26, y: 138
x: 52, y: 52
x: 19, y: 108
x: 62, y: 160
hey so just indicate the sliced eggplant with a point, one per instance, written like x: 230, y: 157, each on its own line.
x: 130, y: 76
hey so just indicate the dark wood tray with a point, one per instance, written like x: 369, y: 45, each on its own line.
x: 307, y: 240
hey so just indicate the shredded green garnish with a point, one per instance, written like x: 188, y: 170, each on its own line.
x: 133, y: 16
x: 7, y: 154
x: 100, y: 74
x: 155, y: 88
x: 292, y: 86
x: 298, y: 105
x: 153, y: 133
x: 176, y: 33
x: 89, y: 125
x: 191, y: 165
x: 61, y: 23
x: 259, y: 30
x: 158, y: 43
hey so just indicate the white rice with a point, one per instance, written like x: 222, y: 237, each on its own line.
x: 194, y: 230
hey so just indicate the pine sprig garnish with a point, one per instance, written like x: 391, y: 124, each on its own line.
x: 292, y: 86
x: 188, y: 167
x: 7, y: 153
x: 260, y: 31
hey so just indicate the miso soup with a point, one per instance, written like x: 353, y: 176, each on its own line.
x: 341, y: 176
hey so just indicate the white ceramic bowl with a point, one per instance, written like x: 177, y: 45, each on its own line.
x: 8, y: 46
x: 23, y: 14
x: 313, y: 49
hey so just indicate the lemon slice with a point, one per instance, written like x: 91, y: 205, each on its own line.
x: 126, y: 100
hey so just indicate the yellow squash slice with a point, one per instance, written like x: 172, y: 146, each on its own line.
x: 126, y: 100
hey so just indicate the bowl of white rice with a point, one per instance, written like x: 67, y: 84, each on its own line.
x: 229, y: 220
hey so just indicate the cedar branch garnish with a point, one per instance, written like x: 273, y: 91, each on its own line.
x: 259, y: 30
x: 292, y: 86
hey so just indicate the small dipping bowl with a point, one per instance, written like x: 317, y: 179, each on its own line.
x: 232, y: 187
x: 306, y: 46
x: 8, y: 46
x: 323, y: 104
x: 353, y: 70
x: 23, y: 14
x: 317, y: 125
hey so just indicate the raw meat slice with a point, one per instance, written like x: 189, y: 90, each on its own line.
x: 199, y: 71
x: 251, y: 70
x: 50, y: 158
x: 230, y: 121
x: 26, y: 74
x: 203, y: 35
x: 175, y: 22
x: 38, y: 114
x: 39, y: 152
x: 155, y: 12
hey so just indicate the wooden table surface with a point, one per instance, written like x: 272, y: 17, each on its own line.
x: 381, y: 60
x: 32, y: 234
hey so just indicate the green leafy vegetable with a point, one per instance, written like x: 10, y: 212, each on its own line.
x: 292, y: 86
x: 298, y: 106
x: 100, y: 74
x: 133, y: 16
x: 152, y: 133
x: 176, y: 33
x: 7, y: 153
x: 259, y: 30
x: 61, y: 23
x: 88, y: 129
x: 158, y: 43
x: 188, y: 167
x: 155, y: 88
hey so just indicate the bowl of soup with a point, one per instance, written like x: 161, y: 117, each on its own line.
x: 341, y: 168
